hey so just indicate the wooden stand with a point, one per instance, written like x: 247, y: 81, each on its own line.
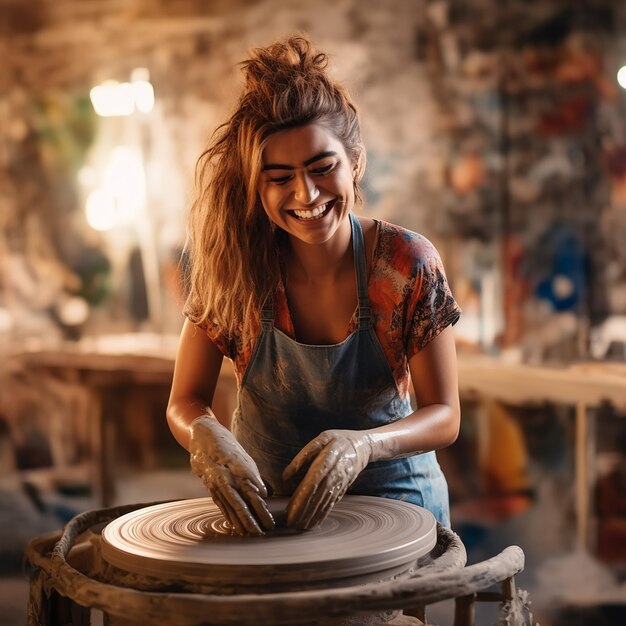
x: 61, y: 593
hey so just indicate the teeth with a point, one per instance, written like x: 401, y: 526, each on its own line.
x: 312, y: 214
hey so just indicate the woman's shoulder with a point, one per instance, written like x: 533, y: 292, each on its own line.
x: 402, y: 248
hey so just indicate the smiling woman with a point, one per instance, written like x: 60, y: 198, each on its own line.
x: 327, y: 317
x: 306, y: 186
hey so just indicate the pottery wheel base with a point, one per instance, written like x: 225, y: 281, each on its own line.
x: 364, y: 539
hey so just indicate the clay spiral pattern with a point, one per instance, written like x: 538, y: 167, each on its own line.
x: 190, y: 538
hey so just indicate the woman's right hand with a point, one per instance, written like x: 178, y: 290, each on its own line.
x: 230, y: 475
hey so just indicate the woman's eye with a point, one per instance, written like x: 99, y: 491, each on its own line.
x: 281, y: 180
x: 324, y: 170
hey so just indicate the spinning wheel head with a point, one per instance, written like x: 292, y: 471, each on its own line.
x: 363, y: 539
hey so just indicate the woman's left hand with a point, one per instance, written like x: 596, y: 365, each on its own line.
x: 335, y: 458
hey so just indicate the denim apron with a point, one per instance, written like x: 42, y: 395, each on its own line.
x: 291, y: 392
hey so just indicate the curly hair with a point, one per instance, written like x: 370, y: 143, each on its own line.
x: 232, y: 245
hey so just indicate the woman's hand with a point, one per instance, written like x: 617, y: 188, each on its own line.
x: 230, y: 475
x: 335, y: 458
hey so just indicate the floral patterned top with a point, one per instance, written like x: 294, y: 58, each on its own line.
x: 409, y: 296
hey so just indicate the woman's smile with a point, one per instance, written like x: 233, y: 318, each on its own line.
x: 312, y: 215
x: 306, y: 184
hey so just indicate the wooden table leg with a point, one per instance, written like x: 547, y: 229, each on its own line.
x: 582, y: 476
x: 103, y: 448
x: 464, y: 610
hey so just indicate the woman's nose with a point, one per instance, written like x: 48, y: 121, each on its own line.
x: 306, y: 191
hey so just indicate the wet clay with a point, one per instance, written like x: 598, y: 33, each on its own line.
x: 330, y: 463
x: 230, y: 475
x: 334, y: 460
x: 364, y: 539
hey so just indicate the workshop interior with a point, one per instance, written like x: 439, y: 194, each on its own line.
x: 494, y: 128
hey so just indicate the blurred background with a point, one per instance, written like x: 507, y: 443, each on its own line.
x: 496, y: 128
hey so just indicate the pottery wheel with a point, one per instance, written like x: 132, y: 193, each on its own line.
x: 362, y: 540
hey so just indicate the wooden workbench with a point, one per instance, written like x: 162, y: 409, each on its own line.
x: 582, y: 385
x: 101, y: 366
x: 105, y: 368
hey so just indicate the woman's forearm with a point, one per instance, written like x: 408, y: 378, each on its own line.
x: 428, y: 428
x: 181, y: 413
x: 197, y: 368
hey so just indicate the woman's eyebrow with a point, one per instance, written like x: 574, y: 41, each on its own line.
x: 280, y: 166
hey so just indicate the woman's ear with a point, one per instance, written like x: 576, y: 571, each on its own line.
x: 358, y: 166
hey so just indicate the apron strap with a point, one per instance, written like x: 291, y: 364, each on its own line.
x: 358, y: 249
x: 267, y: 313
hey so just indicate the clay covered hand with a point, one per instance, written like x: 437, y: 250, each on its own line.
x: 334, y: 459
x: 230, y: 475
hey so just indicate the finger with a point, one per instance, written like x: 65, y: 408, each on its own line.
x: 263, y: 514
x: 232, y: 516
x: 299, y: 499
x: 319, y: 475
x: 228, y: 512
x: 304, y: 457
x: 241, y: 510
x: 325, y: 508
x: 329, y: 492
x: 258, y: 503
x: 249, y: 472
x: 317, y: 509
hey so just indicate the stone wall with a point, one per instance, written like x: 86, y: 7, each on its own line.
x: 495, y: 128
x: 531, y: 139
x: 58, y: 50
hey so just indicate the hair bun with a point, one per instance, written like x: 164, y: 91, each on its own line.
x: 284, y: 63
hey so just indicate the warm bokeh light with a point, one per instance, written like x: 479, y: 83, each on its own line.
x: 101, y: 210
x: 142, y: 89
x: 74, y: 311
x: 122, y: 192
x: 124, y: 179
x: 144, y: 96
x: 621, y: 76
x: 112, y: 99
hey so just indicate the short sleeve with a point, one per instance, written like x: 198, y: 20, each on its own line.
x: 223, y: 344
x: 431, y: 306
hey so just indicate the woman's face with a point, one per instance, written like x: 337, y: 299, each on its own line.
x: 306, y: 184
